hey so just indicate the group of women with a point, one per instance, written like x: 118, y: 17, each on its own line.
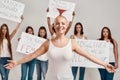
x: 57, y: 52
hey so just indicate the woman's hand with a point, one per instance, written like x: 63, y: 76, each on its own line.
x: 73, y: 13
x: 47, y: 10
x: 11, y: 64
x: 109, y: 68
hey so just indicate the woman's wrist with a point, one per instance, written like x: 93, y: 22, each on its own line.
x: 104, y: 65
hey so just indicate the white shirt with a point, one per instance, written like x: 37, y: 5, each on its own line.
x: 4, y: 49
x: 111, y: 55
x: 43, y: 57
x: 59, y: 62
x: 83, y: 37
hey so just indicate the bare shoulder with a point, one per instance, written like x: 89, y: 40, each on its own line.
x: 74, y: 43
x: 75, y: 46
x: 46, y: 43
x: 114, y: 41
x: 98, y: 38
x: 85, y: 37
x: 72, y: 37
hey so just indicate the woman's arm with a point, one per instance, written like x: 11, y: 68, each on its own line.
x: 49, y: 24
x: 72, y: 37
x: 82, y: 52
x: 70, y: 23
x: 116, y: 53
x: 41, y: 50
x: 16, y: 28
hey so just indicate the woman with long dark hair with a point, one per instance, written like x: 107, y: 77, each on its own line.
x: 6, y: 47
x: 28, y: 67
x: 78, y: 34
x: 113, y: 56
x: 42, y: 61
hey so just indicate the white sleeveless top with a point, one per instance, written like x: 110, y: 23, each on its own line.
x: 83, y: 37
x: 111, y: 55
x: 59, y: 62
x: 43, y: 57
x: 5, y: 50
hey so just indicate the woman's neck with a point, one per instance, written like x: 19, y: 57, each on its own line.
x: 79, y: 35
x: 106, y: 39
x: 4, y: 37
x: 60, y: 40
x: 60, y: 36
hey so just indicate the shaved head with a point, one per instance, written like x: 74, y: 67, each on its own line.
x: 61, y: 17
x: 60, y: 24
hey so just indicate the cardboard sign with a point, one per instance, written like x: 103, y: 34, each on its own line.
x: 57, y: 7
x: 29, y: 43
x: 98, y: 49
x: 11, y: 10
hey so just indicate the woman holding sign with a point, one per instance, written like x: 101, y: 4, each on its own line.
x: 78, y: 34
x: 6, y: 48
x: 60, y: 53
x: 113, y: 56
x: 28, y: 67
x: 42, y: 61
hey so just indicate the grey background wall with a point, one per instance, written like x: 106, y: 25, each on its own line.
x: 94, y: 14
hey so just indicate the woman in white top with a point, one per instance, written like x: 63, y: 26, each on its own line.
x: 27, y: 69
x: 78, y: 34
x: 6, y: 48
x: 42, y: 61
x: 59, y: 54
x: 113, y: 56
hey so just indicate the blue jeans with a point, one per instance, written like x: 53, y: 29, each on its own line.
x: 106, y: 75
x: 41, y: 67
x: 28, y: 67
x: 81, y: 72
x: 3, y: 71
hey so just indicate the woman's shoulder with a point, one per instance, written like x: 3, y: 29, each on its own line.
x: 46, y: 43
x: 98, y: 39
x: 72, y: 36
x: 84, y: 37
x: 114, y: 41
x: 74, y: 44
x: 73, y: 41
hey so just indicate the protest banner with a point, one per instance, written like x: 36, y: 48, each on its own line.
x: 29, y: 43
x: 98, y: 49
x: 58, y: 7
x: 11, y: 10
